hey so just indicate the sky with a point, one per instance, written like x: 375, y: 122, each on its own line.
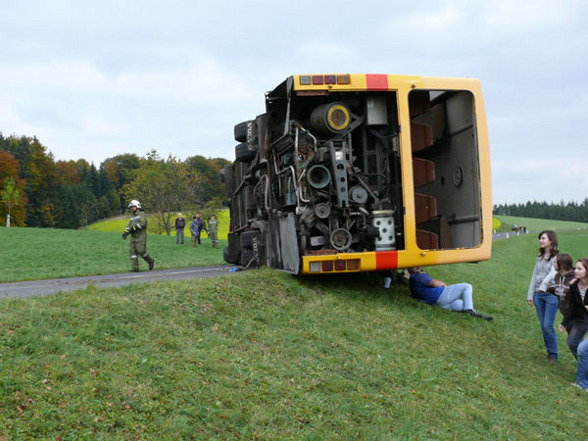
x: 92, y: 80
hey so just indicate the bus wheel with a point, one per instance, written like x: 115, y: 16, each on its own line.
x: 246, y: 238
x: 227, y: 177
x: 226, y: 255
x: 244, y: 131
x: 243, y: 153
x: 248, y: 258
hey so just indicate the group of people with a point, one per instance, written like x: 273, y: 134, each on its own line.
x: 196, y: 228
x: 558, y: 284
x: 137, y: 229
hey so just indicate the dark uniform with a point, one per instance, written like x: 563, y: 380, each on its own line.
x: 137, y: 228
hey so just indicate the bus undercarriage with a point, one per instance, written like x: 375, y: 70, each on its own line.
x: 323, y: 172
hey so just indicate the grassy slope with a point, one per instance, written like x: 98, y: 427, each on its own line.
x: 288, y: 358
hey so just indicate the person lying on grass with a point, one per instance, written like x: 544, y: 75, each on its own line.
x: 458, y: 297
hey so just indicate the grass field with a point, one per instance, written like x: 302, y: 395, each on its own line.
x: 260, y: 355
x: 45, y: 253
x: 537, y: 224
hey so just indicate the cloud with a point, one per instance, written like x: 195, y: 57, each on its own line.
x: 542, y: 178
x: 519, y: 16
x: 95, y: 80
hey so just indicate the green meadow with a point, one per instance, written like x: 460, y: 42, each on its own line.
x: 505, y: 223
x: 261, y: 355
x: 46, y: 253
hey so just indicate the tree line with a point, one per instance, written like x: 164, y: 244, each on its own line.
x: 38, y: 191
x: 565, y: 211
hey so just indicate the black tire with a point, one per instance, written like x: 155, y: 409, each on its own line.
x: 244, y: 132
x: 244, y: 153
x: 248, y: 258
x: 247, y: 237
x: 226, y: 255
x: 227, y: 177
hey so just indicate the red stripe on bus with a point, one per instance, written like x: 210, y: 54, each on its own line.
x: 386, y: 260
x: 376, y: 82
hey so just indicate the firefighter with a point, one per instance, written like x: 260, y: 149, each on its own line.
x: 213, y: 230
x: 137, y: 228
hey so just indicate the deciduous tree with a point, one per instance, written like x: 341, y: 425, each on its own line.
x: 13, y: 190
x: 9, y: 196
x: 209, y: 170
x: 163, y: 187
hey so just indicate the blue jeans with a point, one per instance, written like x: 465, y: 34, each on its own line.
x: 546, y: 306
x: 576, y: 332
x: 582, y: 373
x: 456, y: 297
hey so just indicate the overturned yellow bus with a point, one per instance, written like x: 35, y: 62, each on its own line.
x: 362, y: 172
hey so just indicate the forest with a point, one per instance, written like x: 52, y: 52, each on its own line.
x: 565, y: 211
x: 38, y: 191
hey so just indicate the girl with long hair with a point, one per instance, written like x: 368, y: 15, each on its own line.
x: 578, y: 317
x: 546, y: 304
x: 575, y: 320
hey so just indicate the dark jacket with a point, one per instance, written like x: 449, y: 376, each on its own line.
x: 180, y: 223
x: 561, y: 289
x: 196, y: 226
x: 577, y: 310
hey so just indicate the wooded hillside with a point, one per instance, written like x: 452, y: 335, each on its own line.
x: 70, y: 194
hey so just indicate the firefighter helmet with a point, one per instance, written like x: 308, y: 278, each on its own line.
x: 135, y: 203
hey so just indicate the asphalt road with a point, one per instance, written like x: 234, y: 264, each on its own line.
x: 52, y: 286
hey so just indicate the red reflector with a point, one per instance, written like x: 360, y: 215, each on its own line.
x: 327, y: 265
x: 343, y: 79
x: 330, y: 79
x: 353, y: 264
x: 340, y: 265
x: 317, y: 79
x: 376, y: 82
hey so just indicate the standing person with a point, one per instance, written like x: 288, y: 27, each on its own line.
x: 576, y: 317
x: 196, y: 227
x: 180, y: 224
x: 580, y: 294
x: 213, y: 230
x: 545, y: 303
x: 562, y: 278
x: 137, y: 228
x: 458, y: 297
